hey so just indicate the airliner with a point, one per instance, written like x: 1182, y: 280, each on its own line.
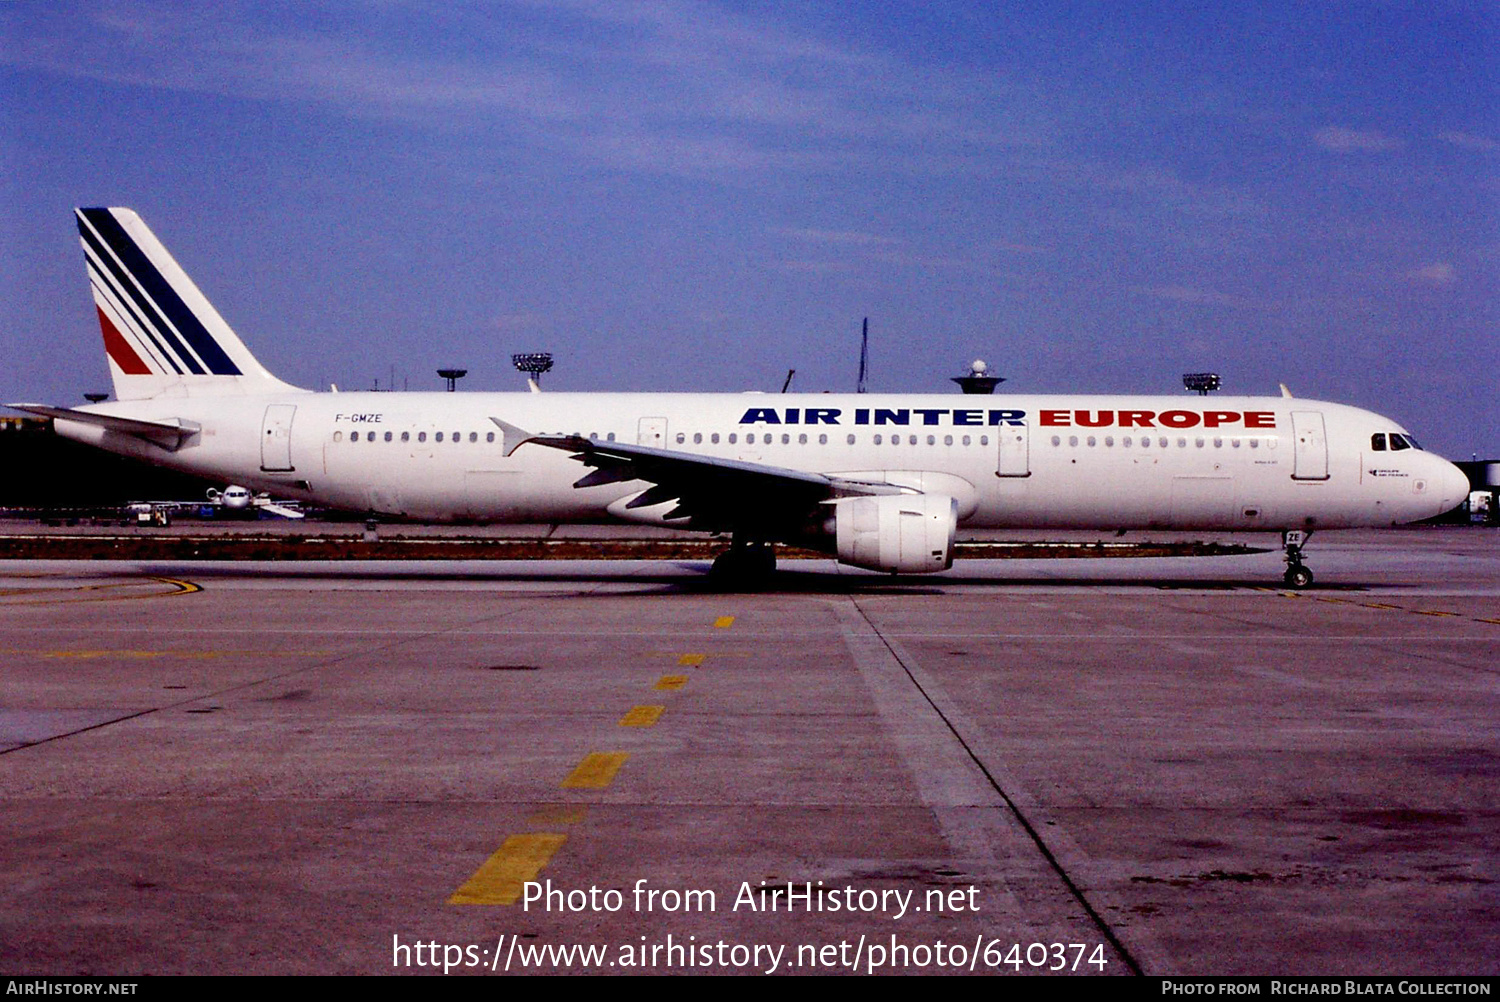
x: 879, y: 481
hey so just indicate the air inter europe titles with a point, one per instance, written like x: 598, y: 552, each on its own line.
x: 961, y: 417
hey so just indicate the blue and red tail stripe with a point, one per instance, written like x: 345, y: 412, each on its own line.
x: 119, y: 349
x: 153, y: 303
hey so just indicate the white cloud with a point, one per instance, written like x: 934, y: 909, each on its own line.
x: 1438, y: 273
x: 681, y: 88
x: 1342, y: 140
x: 1197, y: 297
x: 1469, y: 141
x: 840, y: 237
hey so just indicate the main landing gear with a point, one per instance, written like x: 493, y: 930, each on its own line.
x: 745, y: 564
x: 1297, y: 575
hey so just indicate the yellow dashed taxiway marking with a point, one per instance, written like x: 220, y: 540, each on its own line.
x: 596, y: 771
x: 642, y: 716
x: 500, y: 880
x: 724, y: 622
x: 667, y: 682
x: 691, y: 660
x: 1430, y: 612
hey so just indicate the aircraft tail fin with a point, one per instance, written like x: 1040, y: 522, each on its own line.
x: 161, y: 334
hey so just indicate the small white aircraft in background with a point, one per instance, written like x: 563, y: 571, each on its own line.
x: 233, y: 498
x: 237, y: 498
x: 880, y: 481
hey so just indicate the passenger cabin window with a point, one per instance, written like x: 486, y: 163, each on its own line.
x: 1377, y: 442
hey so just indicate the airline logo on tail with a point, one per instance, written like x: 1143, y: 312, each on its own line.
x: 148, y: 328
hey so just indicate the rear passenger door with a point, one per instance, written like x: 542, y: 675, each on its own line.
x: 1015, y: 450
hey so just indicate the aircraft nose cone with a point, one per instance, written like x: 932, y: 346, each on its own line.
x: 1452, y: 484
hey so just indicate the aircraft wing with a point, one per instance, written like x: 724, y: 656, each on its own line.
x: 277, y: 509
x: 168, y: 434
x: 711, y: 493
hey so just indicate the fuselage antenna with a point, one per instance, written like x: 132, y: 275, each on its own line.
x: 864, y: 355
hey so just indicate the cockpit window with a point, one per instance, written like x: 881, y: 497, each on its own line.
x: 1398, y: 442
x: 1377, y: 442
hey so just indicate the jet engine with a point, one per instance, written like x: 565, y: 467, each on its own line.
x: 898, y: 533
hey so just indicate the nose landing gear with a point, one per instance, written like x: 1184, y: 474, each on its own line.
x: 1297, y: 575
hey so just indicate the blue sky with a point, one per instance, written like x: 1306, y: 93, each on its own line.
x: 1095, y: 197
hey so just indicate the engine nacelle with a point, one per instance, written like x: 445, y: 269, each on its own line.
x: 897, y: 533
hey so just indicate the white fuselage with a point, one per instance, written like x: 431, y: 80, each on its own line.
x: 1250, y: 463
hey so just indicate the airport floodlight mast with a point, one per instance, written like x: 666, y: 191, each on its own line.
x: 979, y: 379
x: 1201, y: 383
x: 453, y: 376
x: 533, y: 363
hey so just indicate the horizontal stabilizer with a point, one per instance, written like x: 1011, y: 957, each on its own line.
x: 168, y: 433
